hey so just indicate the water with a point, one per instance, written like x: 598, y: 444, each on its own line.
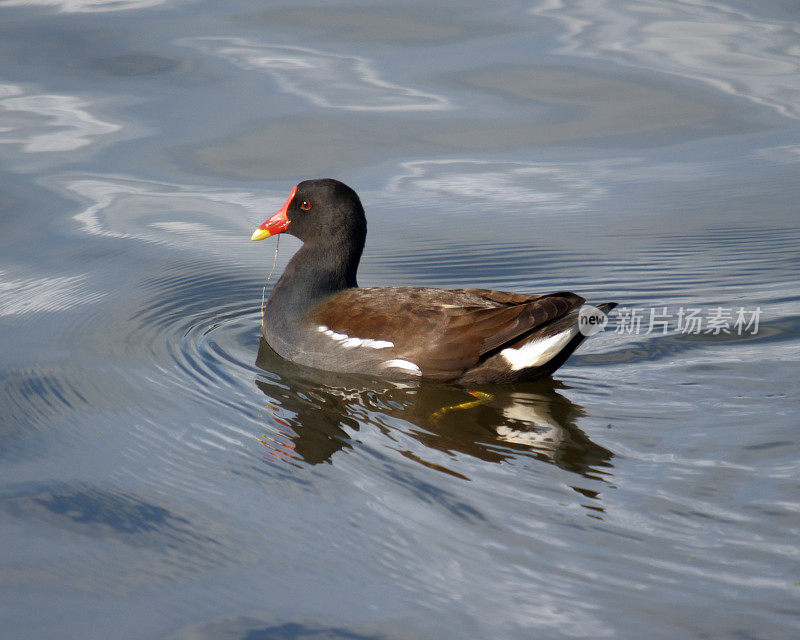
x: 159, y: 482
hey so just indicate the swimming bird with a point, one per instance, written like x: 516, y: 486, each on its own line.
x: 318, y: 316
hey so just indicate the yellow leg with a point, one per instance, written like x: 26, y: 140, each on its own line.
x: 481, y: 399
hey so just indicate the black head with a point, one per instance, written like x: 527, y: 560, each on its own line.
x: 321, y: 211
x: 325, y: 208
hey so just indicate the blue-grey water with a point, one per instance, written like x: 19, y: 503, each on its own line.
x: 162, y: 479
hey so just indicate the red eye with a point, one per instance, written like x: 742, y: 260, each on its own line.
x: 305, y: 205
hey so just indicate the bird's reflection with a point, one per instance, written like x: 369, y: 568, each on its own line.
x: 494, y: 423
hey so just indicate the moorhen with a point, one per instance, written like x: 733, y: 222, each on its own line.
x: 318, y: 316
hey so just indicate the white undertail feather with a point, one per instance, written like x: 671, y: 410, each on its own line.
x: 535, y: 353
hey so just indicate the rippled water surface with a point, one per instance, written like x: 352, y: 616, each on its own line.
x: 165, y: 477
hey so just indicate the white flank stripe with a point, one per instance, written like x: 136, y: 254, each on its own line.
x: 403, y: 364
x: 537, y: 352
x: 349, y: 343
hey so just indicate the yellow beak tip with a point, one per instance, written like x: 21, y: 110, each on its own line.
x: 260, y: 234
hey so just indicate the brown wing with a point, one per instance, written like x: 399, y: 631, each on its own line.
x: 443, y: 331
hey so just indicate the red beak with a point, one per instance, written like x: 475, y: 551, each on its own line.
x: 277, y: 223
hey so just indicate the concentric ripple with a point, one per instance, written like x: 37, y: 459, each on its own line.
x: 195, y: 339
